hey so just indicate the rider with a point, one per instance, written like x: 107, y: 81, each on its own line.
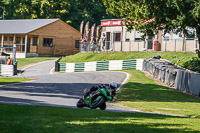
x: 112, y: 86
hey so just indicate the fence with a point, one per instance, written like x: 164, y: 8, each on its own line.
x: 169, y: 45
x: 9, y: 48
x: 101, y: 65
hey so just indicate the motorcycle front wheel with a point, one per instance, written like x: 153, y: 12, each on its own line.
x: 80, y: 103
x: 103, y: 106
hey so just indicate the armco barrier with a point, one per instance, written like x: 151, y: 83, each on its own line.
x: 102, y: 65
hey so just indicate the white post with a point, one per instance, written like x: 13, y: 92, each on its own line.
x: 146, y: 45
x: 26, y: 37
x: 14, y: 40
x: 14, y: 53
x: 2, y: 40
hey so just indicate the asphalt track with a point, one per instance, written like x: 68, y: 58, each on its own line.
x: 62, y: 90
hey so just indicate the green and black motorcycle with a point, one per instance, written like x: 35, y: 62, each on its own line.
x: 95, y: 99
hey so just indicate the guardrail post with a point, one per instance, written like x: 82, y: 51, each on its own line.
x: 57, y: 66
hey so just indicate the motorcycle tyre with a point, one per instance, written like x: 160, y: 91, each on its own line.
x: 99, y: 103
x: 103, y: 106
x: 80, y: 103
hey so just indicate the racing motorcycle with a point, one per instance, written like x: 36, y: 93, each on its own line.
x: 95, y: 99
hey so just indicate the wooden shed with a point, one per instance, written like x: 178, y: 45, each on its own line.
x: 39, y: 37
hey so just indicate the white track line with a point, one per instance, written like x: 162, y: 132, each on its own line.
x: 52, y: 70
x: 125, y: 80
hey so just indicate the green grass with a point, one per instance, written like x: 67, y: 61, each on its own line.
x: 23, y: 119
x: 140, y: 93
x: 177, y: 57
x: 26, y: 61
x: 144, y: 94
x: 4, y: 80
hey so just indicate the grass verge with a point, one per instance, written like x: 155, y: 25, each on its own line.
x: 140, y: 92
x: 144, y: 94
x: 15, y: 118
x: 179, y: 58
x: 4, y: 80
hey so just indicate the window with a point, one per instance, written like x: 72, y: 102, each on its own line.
x: 28, y: 40
x: 48, y: 42
x: 5, y: 39
x: 18, y: 40
x: 127, y: 39
x: 10, y: 38
x: 138, y: 36
x: 77, y: 44
x: 34, y: 43
x: 116, y: 36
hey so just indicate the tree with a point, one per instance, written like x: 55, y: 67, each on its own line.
x: 70, y: 11
x: 3, y: 4
x: 170, y: 15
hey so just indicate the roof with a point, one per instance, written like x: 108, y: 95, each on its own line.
x: 23, y: 26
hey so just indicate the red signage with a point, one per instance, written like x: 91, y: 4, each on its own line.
x: 112, y: 23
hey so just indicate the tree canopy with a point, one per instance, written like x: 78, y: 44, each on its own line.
x: 170, y: 15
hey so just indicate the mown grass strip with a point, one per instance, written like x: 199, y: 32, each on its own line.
x: 4, y: 80
x: 145, y: 94
x: 15, y: 118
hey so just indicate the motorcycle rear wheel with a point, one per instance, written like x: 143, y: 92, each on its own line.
x: 98, y: 103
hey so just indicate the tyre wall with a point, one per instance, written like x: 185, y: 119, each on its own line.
x: 173, y: 75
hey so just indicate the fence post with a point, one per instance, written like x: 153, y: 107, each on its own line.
x: 175, y: 46
x: 14, y: 53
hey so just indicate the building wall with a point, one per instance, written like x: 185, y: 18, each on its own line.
x: 133, y: 45
x: 63, y: 35
x: 124, y: 45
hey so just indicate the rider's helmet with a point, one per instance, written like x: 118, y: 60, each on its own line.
x: 113, y: 85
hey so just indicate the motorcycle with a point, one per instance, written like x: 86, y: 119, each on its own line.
x: 96, y: 99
